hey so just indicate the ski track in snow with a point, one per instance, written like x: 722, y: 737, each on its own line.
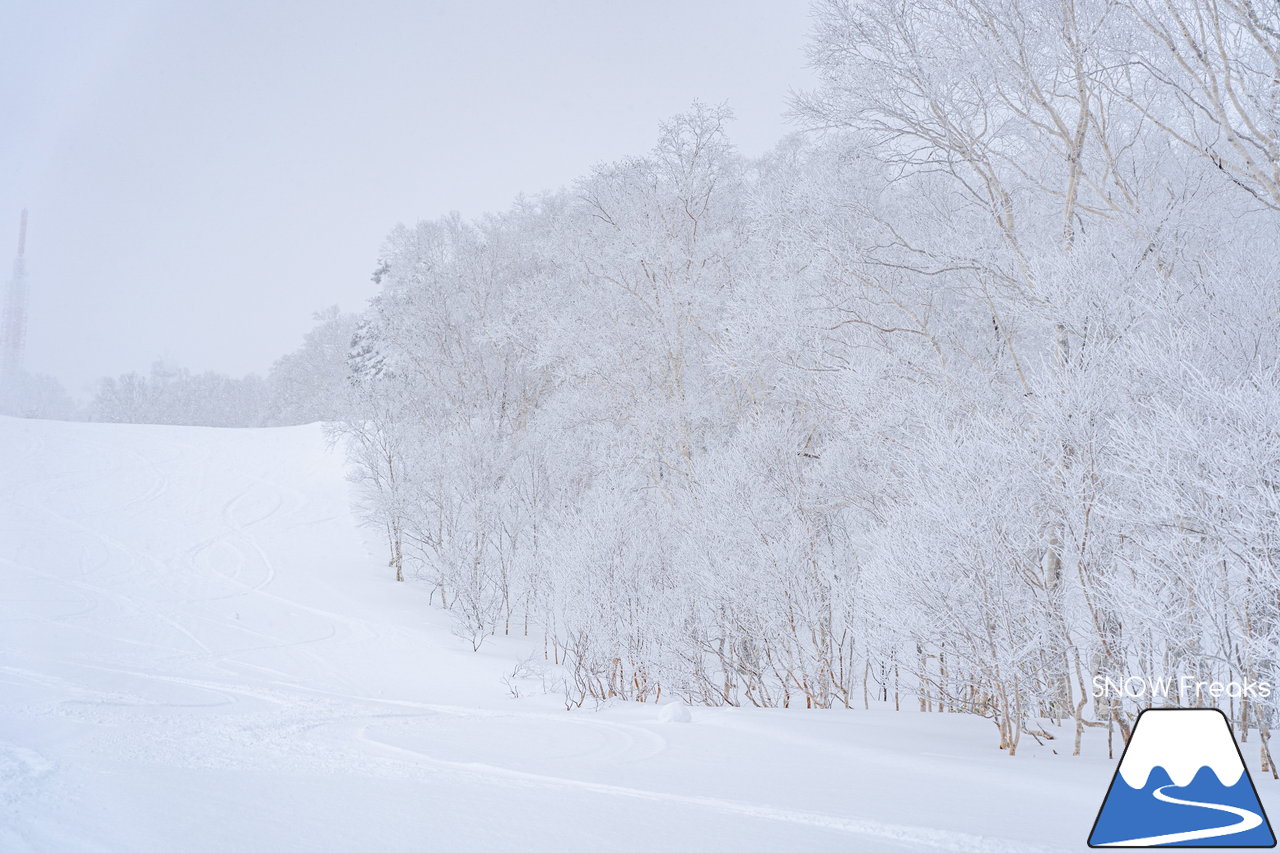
x: 915, y: 837
x: 181, y: 632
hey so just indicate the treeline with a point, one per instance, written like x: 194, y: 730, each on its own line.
x: 304, y: 386
x: 178, y: 396
x: 307, y: 385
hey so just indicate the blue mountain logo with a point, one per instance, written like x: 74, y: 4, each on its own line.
x: 1181, y: 783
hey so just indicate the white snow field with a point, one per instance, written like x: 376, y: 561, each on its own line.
x: 200, y: 649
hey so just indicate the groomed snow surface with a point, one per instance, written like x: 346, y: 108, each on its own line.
x: 200, y: 649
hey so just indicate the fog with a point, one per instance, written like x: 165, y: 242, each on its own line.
x: 945, y: 415
x: 203, y: 176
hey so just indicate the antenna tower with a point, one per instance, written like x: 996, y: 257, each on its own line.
x: 13, y: 334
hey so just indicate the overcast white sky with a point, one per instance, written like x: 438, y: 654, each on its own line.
x: 202, y: 176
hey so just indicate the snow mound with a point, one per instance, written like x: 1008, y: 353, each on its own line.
x: 675, y: 712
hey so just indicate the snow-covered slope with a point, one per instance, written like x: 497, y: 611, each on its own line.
x: 199, y: 650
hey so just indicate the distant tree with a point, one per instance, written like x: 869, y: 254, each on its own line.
x: 35, y: 395
x: 176, y: 396
x: 312, y: 383
x: 124, y: 399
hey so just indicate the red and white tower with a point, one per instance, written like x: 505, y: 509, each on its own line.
x: 13, y: 334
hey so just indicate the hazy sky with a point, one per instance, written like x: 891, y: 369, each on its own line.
x: 202, y: 176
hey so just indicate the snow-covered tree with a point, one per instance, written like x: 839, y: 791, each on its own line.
x: 962, y: 400
x: 312, y: 382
